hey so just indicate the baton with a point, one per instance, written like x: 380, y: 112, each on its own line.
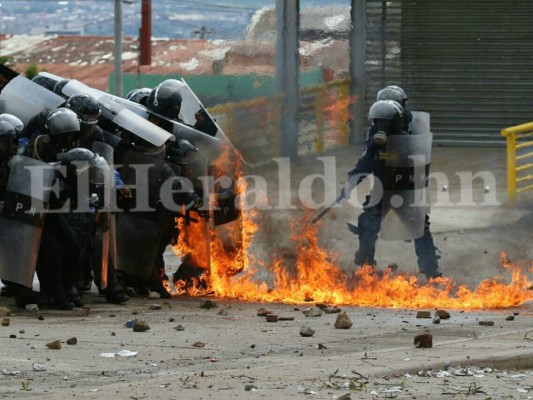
x: 327, y: 209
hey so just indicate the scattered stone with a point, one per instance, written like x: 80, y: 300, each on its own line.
x: 222, y: 312
x: 436, y: 319
x: 423, y: 314
x: 5, y: 322
x: 12, y: 336
x: 262, y: 312
x: 153, y: 295
x: 509, y: 318
x: 22, y: 331
x: 140, y: 326
x: 198, y: 344
x: 345, y: 397
x: 306, y: 331
x: 424, y: 340
x: 155, y: 307
x: 442, y: 314
x: 39, y: 367
x: 343, y: 321
x: 332, y: 310
x: 321, y: 347
x: 40, y: 318
x: 5, y: 312
x: 249, y: 387
x: 286, y: 318
x: 208, y: 304
x: 113, y: 334
x: 272, y: 317
x: 72, y: 341
x: 486, y: 323
x: 85, y: 310
x: 179, y: 328
x: 55, y: 345
x: 32, y: 307
x: 321, y: 305
x: 313, y: 312
x: 252, y: 346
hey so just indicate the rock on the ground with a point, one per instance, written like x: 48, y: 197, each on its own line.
x: 262, y: 312
x: 5, y: 322
x: 423, y: 314
x: 343, y: 321
x: 72, y: 341
x: 486, y: 323
x: 55, y: 345
x: 208, y: 304
x: 313, y: 312
x: 442, y: 314
x: 140, y: 326
x: 306, y: 331
x: 424, y: 340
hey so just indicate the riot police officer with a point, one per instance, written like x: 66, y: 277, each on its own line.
x: 397, y: 94
x: 10, y: 129
x: 139, y: 95
x: 88, y: 111
x: 63, y: 131
x: 387, y: 119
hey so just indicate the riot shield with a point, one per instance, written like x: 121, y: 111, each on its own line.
x: 106, y: 225
x: 191, y: 105
x: 140, y: 233
x: 24, y: 98
x: 126, y: 119
x: 22, y: 218
x: 420, y: 123
x: 405, y: 199
x: 209, y: 146
x: 121, y: 112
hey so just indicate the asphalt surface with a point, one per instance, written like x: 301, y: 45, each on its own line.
x: 244, y: 356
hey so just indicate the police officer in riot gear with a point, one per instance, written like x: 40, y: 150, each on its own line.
x: 139, y: 95
x: 10, y: 128
x: 88, y: 111
x: 397, y: 94
x: 63, y: 130
x: 57, y: 244
x: 387, y: 119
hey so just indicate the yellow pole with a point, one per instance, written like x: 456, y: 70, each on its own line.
x: 511, y: 166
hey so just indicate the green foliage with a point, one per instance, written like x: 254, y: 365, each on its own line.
x: 31, y: 71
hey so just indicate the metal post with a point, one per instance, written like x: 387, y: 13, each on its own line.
x: 118, y: 47
x: 357, y: 70
x: 287, y: 72
x: 146, y: 32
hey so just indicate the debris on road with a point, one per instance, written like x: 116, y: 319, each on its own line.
x: 343, y: 321
x: 140, y: 326
x: 423, y: 314
x: 442, y: 314
x: 72, y: 341
x: 424, y: 340
x: 55, y: 345
x: 313, y: 312
x: 306, y: 331
x: 208, y: 304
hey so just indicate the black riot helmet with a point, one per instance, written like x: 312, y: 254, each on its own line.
x: 393, y: 92
x: 86, y: 107
x: 8, y: 138
x: 17, y: 124
x: 387, y: 117
x: 64, y: 126
x: 139, y: 95
x: 165, y: 99
x: 44, y: 81
x: 58, y: 87
x: 80, y: 160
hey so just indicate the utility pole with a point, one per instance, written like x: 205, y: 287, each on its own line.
x: 146, y: 32
x: 357, y: 69
x: 118, y: 48
x: 287, y: 72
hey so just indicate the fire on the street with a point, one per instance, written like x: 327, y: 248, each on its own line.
x: 316, y: 277
x: 227, y: 269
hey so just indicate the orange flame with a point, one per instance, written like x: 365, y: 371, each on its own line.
x: 314, y: 275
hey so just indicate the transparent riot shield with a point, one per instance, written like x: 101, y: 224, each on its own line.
x: 139, y: 231
x: 106, y: 224
x: 24, y: 98
x: 405, y: 200
x: 420, y: 123
x: 23, y: 218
